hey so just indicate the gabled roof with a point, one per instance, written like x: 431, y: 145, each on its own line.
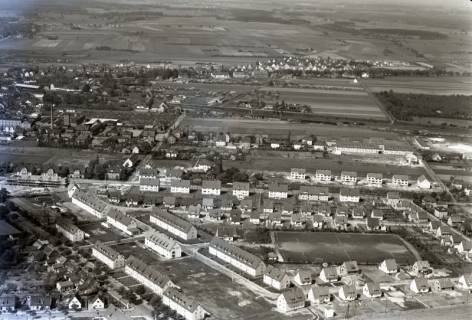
x: 319, y: 292
x: 171, y: 219
x: 162, y: 240
x: 241, y: 186
x: 121, y: 217
x: 149, y: 272
x: 293, y: 296
x: 107, y: 251
x: 211, y: 184
x: 276, y: 187
x: 236, y: 252
x: 275, y: 273
x: 374, y: 288
x: 391, y: 264
x: 184, y: 301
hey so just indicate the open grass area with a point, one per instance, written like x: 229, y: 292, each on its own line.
x: 350, y: 104
x: 331, y: 247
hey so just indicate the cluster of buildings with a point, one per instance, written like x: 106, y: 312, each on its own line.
x: 46, y: 179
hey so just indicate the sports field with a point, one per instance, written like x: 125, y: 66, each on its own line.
x: 331, y: 247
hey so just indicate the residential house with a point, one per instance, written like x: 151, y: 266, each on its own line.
x: 290, y: 300
x: 373, y: 224
x: 348, y: 293
x: 65, y: 287
x: 241, y: 189
x: 147, y: 275
x: 278, y: 191
x: 372, y: 290
x: 419, y: 285
x: 109, y: 256
x: 164, y: 245
x: 423, y: 182
x: 347, y: 268
x: 389, y: 266
x: 173, y: 224
x: 96, y: 303
x: 329, y: 274
x: 237, y: 257
x: 312, y: 193
x: 276, y: 278
x: 349, y: 177
x: 302, y: 277
x: 421, y: 267
x: 69, y: 230
x: 393, y: 198
x: 180, y: 186
x: 187, y: 307
x: 375, y: 179
x: 39, y: 302
x: 465, y: 282
x: 349, y: 195
x: 89, y: 202
x: 438, y: 285
x: 74, y: 303
x: 7, y: 303
x: 211, y: 187
x: 122, y: 221
x: 149, y: 184
x: 400, y: 180
x: 298, y: 174
x: 323, y: 175
x: 318, y: 295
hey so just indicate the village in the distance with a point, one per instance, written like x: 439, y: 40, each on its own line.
x: 185, y: 161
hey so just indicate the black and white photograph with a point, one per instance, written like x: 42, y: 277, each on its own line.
x: 235, y: 159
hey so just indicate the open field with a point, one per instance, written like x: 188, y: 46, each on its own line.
x: 257, y: 161
x: 318, y: 247
x: 239, y: 31
x: 440, y: 86
x: 351, y: 104
x: 281, y: 128
x: 223, y: 298
x: 50, y: 156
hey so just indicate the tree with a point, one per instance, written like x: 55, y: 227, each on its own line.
x: 3, y: 195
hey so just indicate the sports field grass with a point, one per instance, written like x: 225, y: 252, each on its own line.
x: 332, y: 247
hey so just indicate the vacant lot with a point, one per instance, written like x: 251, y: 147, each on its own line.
x: 319, y: 247
x: 223, y: 298
x: 351, y: 104
x: 281, y: 128
x: 406, y: 106
x: 440, y: 86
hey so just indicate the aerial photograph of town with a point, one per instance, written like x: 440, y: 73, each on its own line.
x: 235, y: 159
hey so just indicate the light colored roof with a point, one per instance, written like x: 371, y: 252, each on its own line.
x: 236, y: 252
x: 172, y: 220
x: 149, y: 272
x: 162, y: 240
x: 293, y: 296
x: 211, y: 184
x: 121, y: 217
x: 241, y: 185
x: 68, y: 226
x: 107, y: 251
x: 90, y: 199
x: 186, y: 302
